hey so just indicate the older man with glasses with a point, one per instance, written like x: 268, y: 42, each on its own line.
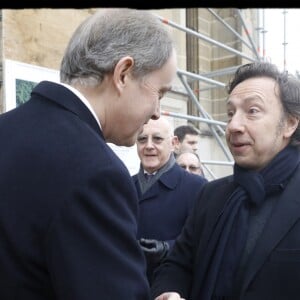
x: 190, y: 161
x: 166, y: 192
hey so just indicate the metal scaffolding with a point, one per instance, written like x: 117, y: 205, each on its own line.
x: 251, y: 48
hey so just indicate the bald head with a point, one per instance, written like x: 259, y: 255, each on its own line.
x: 155, y: 144
x: 190, y: 161
x: 162, y: 124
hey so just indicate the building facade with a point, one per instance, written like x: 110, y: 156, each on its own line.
x: 210, y: 45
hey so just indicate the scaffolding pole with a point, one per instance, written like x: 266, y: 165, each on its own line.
x: 206, y: 38
x: 216, y: 128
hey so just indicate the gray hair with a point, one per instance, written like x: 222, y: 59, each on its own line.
x: 105, y: 37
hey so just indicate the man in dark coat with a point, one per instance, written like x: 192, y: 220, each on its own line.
x: 241, y: 241
x: 68, y: 207
x: 166, y: 192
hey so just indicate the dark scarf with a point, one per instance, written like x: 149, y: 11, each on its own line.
x: 145, y: 183
x: 227, y: 242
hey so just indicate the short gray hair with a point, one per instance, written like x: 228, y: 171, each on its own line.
x: 110, y: 34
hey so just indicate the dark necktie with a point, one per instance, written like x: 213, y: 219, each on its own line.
x: 148, y: 176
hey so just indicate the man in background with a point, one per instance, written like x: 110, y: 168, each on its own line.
x: 187, y: 138
x: 68, y: 207
x: 190, y: 161
x: 166, y: 192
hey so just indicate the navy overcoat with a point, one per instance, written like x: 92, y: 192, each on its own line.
x: 273, y: 268
x: 68, y: 207
x: 164, y: 207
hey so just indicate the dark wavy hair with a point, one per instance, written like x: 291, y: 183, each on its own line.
x: 289, y: 88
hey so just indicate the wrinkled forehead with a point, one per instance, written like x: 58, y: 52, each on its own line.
x: 263, y: 89
x: 160, y: 126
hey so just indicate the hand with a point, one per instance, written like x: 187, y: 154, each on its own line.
x: 155, y: 251
x: 169, y: 296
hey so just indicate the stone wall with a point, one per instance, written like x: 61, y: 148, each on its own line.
x: 39, y: 36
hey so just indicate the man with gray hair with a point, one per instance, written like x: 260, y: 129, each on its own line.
x: 68, y: 207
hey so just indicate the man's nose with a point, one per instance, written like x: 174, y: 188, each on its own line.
x: 156, y: 114
x: 236, y: 123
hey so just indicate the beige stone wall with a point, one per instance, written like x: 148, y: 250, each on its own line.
x: 39, y: 36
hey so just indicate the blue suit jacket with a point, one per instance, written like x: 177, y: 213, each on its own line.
x: 273, y: 268
x: 68, y: 206
x: 166, y: 205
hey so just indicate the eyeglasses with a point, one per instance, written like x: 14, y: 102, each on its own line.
x: 191, y: 167
x: 156, y: 139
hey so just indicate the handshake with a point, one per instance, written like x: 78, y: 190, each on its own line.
x: 154, y: 250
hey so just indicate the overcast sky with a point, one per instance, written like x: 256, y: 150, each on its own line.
x: 276, y: 36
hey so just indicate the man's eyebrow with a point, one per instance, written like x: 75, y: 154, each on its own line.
x: 247, y: 99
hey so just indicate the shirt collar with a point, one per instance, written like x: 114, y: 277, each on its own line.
x: 83, y: 99
x: 145, y: 172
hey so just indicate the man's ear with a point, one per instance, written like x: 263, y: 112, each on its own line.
x: 175, y: 142
x: 291, y: 125
x: 122, y: 71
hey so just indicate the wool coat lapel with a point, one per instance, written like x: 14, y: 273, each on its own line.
x: 170, y: 180
x: 64, y: 97
x: 215, y: 197
x: 277, y: 227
